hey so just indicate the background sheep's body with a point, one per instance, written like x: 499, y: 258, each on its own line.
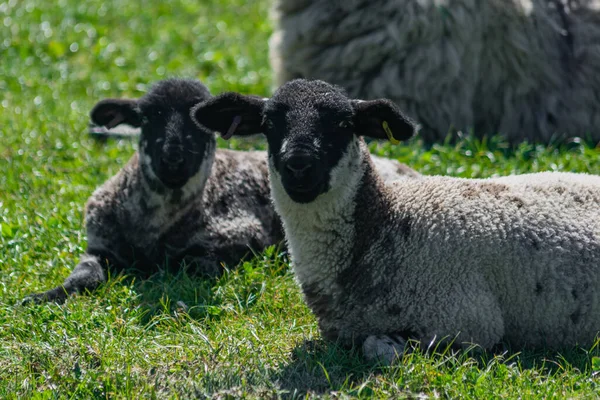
x: 514, y: 258
x: 525, y: 68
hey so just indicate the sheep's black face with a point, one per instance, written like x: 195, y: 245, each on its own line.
x: 312, y: 128
x: 308, y: 127
x: 172, y: 146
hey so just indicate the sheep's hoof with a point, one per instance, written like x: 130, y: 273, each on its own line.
x: 204, y: 266
x: 384, y: 349
x: 57, y: 295
x: 36, y: 298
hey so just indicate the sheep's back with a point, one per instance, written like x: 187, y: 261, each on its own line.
x: 411, y: 52
x: 523, y: 68
x: 532, y: 240
x: 237, y: 199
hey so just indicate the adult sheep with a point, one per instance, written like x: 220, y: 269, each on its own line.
x: 525, y: 68
x: 514, y: 259
x: 179, y: 198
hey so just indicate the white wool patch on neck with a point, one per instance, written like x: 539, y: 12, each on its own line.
x: 320, y: 233
x: 166, y: 210
x: 153, y: 199
x: 195, y: 186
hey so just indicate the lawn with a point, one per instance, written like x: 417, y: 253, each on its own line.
x: 247, y: 334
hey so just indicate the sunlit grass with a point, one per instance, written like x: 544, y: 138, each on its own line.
x: 247, y: 334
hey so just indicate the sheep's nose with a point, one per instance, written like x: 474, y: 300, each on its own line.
x: 299, y: 165
x: 172, y: 160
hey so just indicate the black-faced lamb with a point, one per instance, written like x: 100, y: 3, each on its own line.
x: 513, y: 259
x: 525, y: 68
x: 178, y: 198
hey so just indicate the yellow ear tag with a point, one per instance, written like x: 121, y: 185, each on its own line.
x: 389, y: 134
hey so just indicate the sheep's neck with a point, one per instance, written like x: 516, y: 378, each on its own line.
x: 159, y: 207
x: 161, y: 197
x: 322, y: 235
x: 329, y: 244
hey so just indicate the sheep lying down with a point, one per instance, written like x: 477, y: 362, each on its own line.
x: 513, y: 259
x: 178, y: 198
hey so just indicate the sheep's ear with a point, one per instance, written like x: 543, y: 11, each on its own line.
x: 230, y: 114
x: 382, y: 119
x: 112, y: 112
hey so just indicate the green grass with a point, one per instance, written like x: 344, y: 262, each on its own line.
x: 247, y: 334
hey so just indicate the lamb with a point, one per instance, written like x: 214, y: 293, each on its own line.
x: 178, y: 198
x: 523, y: 68
x: 512, y: 260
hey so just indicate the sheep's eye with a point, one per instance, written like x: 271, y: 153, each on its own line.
x: 345, y: 124
x: 153, y: 113
x: 268, y: 124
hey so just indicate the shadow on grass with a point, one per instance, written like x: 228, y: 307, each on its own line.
x: 551, y: 361
x: 200, y: 297
x: 318, y: 368
x: 178, y: 289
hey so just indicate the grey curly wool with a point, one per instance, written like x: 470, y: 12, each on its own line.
x: 514, y: 259
x: 525, y: 68
x: 177, y: 199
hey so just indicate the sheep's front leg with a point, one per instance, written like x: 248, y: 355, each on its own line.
x: 87, y: 275
x: 207, y: 259
x: 384, y: 349
x: 207, y: 265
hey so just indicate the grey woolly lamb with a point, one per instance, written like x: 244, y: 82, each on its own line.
x: 178, y: 198
x: 525, y: 68
x: 513, y: 259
